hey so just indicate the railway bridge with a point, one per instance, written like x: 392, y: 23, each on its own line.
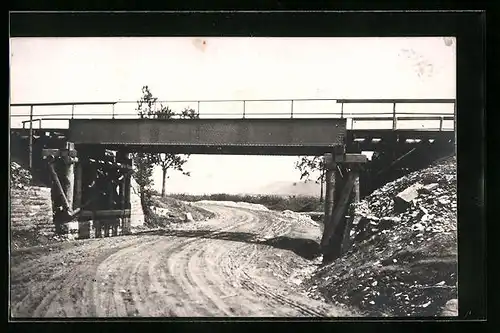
x: 89, y: 163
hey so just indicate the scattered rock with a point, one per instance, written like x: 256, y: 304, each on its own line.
x: 403, y: 199
x: 428, y: 188
x: 450, y: 309
x: 417, y: 227
x: 188, y: 217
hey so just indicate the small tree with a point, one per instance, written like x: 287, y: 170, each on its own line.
x: 147, y: 107
x: 308, y: 165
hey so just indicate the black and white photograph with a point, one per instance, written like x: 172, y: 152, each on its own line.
x: 158, y: 177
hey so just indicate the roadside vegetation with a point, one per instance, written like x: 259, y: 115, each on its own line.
x: 273, y: 202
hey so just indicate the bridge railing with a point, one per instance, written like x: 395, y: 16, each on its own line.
x: 380, y: 115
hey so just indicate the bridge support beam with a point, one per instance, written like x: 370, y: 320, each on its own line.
x: 61, y: 166
x: 330, y: 176
x: 342, y: 189
x: 125, y: 184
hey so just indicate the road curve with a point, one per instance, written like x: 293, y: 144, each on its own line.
x: 237, y: 264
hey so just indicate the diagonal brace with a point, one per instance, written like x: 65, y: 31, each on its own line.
x: 61, y: 191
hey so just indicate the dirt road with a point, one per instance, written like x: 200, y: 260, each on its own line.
x: 241, y: 263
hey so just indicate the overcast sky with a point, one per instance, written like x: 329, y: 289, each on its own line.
x: 113, y: 69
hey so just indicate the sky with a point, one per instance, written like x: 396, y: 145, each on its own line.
x: 183, y: 68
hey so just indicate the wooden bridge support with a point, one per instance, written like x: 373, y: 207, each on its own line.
x: 342, y: 189
x: 125, y: 187
x: 90, y: 193
x: 61, y: 166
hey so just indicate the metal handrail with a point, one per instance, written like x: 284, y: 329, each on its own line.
x: 351, y: 114
x: 355, y: 116
x: 245, y: 101
x: 337, y: 100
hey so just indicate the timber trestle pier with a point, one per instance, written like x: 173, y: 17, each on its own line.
x: 92, y: 188
x: 89, y: 164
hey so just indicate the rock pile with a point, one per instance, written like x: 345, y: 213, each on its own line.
x: 403, y: 259
x: 19, y: 177
x: 301, y: 218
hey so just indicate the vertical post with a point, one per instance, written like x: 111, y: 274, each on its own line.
x: 72, y: 111
x: 291, y: 111
x: 56, y: 196
x: 342, y: 111
x: 441, y: 123
x: 330, y: 188
x: 113, y: 111
x: 394, y: 119
x: 126, y: 187
x: 244, y: 104
x: 331, y: 242
x: 122, y: 201
x: 455, y: 123
x: 77, y: 199
x: 126, y: 221
x: 83, y: 224
x: 69, y: 175
x: 198, y: 107
x: 355, y: 197
x: 31, y: 141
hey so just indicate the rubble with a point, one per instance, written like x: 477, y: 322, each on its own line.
x: 428, y: 188
x: 450, y: 309
x: 19, y: 178
x: 165, y: 211
x: 404, y: 199
x: 302, y: 218
x: 188, y: 217
x: 402, y: 262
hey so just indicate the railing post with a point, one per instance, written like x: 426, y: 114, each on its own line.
x: 394, y: 120
x: 113, y: 111
x: 72, y: 111
x: 244, y: 107
x: 31, y: 141
x: 342, y: 111
x: 291, y: 111
x: 441, y: 123
x: 455, y: 123
x: 198, y: 108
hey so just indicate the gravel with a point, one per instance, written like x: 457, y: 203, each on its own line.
x: 401, y: 263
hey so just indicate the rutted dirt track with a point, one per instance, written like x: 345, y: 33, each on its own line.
x: 241, y: 263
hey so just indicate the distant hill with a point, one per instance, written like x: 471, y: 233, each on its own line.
x: 290, y: 188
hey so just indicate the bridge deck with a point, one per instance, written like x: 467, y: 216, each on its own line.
x: 362, y: 139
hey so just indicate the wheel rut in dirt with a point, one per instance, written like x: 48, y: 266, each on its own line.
x: 223, y: 267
